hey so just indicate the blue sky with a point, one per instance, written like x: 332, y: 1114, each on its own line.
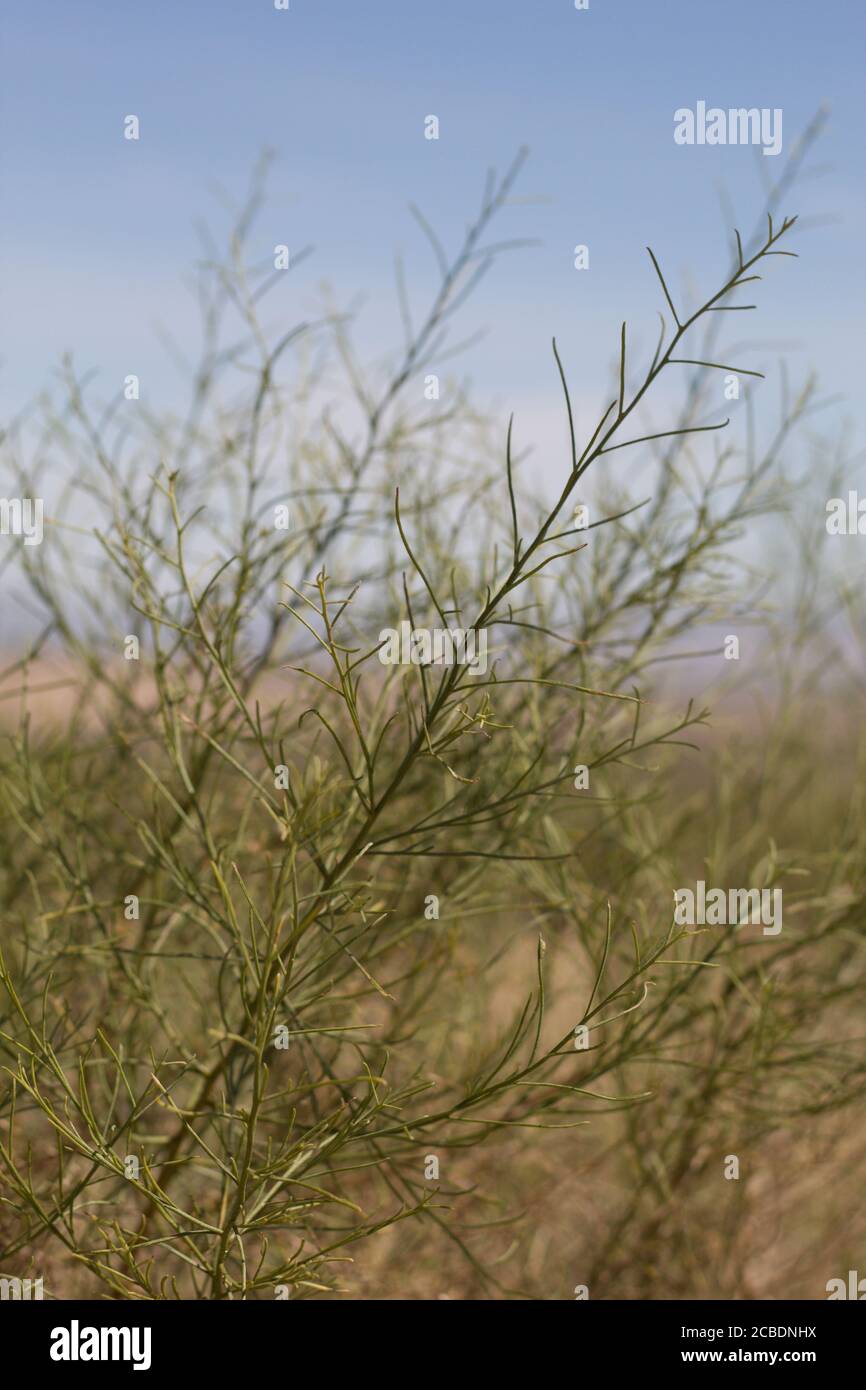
x: 98, y: 233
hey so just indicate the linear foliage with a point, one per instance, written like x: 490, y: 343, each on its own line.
x: 283, y: 808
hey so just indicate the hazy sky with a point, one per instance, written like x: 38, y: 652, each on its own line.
x: 97, y: 232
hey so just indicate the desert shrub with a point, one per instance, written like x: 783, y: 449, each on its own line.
x: 269, y: 901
